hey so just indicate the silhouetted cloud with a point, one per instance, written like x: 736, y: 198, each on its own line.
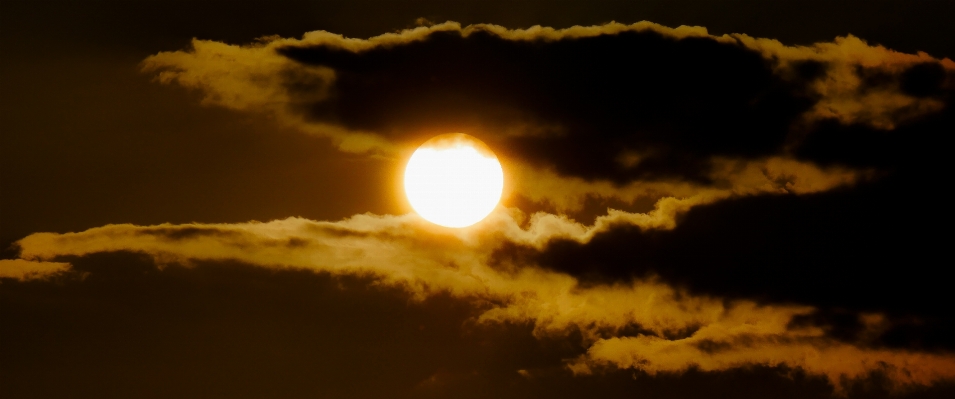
x: 668, y: 96
x: 614, y: 111
x: 677, y: 330
x: 792, y: 227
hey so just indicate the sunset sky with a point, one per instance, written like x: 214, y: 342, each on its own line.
x: 702, y: 199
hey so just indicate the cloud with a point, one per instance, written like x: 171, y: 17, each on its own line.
x: 837, y: 361
x: 631, y: 75
x: 252, y: 78
x: 728, y: 177
x: 642, y: 323
x: 863, y: 83
x: 24, y: 270
x: 781, y: 177
x: 622, y: 112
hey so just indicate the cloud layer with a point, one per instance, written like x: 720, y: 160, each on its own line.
x: 737, y: 95
x: 643, y: 324
x: 619, y: 112
x: 786, y: 221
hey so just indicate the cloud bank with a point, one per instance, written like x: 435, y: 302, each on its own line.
x: 620, y: 112
x: 643, y: 324
x: 787, y: 189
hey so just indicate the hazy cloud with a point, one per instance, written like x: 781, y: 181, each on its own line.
x: 24, y: 270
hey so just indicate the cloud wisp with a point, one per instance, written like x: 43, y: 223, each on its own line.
x: 25, y: 270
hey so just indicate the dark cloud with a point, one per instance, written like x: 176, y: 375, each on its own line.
x: 863, y: 249
x: 674, y: 101
x: 226, y: 329
x: 913, y: 150
x: 580, y: 103
x: 68, y: 61
x: 629, y: 112
x: 831, y: 287
x: 620, y: 112
x: 638, y: 322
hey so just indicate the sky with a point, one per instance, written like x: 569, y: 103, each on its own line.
x: 702, y: 199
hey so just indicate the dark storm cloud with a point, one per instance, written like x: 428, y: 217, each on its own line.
x: 638, y: 322
x: 675, y: 101
x: 650, y: 104
x: 623, y: 112
x: 229, y: 329
x: 747, y: 144
x: 858, y: 250
x: 855, y: 249
x: 830, y: 286
x: 582, y: 103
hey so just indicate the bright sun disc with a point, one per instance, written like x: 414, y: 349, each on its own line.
x: 454, y: 180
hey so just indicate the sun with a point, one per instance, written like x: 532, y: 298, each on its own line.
x: 454, y: 180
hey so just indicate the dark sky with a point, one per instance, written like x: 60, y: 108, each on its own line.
x: 775, y: 228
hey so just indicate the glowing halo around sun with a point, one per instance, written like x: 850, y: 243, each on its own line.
x: 454, y: 180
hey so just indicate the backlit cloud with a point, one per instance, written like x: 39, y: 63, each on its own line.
x: 644, y: 324
x: 613, y: 111
x: 210, y: 201
x: 30, y: 270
